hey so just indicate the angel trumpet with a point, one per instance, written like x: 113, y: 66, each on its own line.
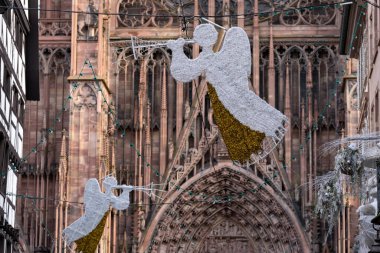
x: 139, y: 44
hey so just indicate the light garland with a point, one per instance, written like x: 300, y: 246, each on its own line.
x: 243, y: 16
x: 117, y: 124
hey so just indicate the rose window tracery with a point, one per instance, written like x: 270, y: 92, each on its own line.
x: 146, y: 13
x: 316, y: 16
x: 154, y: 13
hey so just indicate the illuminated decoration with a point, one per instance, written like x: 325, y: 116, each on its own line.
x: 248, y: 124
x: 87, y: 231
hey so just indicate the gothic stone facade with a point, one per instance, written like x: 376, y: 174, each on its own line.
x: 154, y: 129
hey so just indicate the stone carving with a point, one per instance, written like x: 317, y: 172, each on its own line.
x: 88, y: 23
x: 171, y: 149
x: 85, y: 97
x: 148, y: 8
x: 54, y: 59
x: 54, y: 28
x: 293, y: 17
x: 187, y: 110
x: 237, y: 224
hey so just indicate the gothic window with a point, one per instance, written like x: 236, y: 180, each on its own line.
x: 206, y: 111
x: 149, y: 14
x: 264, y: 59
x: 296, y: 60
x: 203, y: 8
x: 317, y: 16
x: 144, y: 8
x: 248, y: 9
x: 324, y: 81
x: 233, y: 11
x: 219, y: 10
x: 157, y: 61
x: 128, y: 71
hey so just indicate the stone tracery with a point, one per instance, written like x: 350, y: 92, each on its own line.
x: 293, y: 17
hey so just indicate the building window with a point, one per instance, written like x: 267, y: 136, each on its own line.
x: 15, y: 100
x: 1, y: 62
x: 21, y: 112
x: 18, y: 36
x: 377, y: 111
x: 7, y: 83
x: 8, y: 18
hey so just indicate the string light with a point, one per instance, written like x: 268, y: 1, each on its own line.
x: 216, y: 199
x: 314, y: 126
x: 138, y: 152
x: 250, y: 14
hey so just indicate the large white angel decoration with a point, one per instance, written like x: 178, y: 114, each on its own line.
x: 248, y: 124
x: 86, y: 231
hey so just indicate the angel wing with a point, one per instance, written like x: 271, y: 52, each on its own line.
x: 236, y: 50
x: 91, y: 190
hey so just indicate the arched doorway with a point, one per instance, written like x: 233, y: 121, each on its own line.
x: 258, y: 221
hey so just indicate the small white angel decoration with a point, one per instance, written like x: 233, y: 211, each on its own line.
x: 248, y: 124
x: 88, y: 229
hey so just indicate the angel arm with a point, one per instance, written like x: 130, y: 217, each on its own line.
x: 182, y: 68
x: 122, y: 202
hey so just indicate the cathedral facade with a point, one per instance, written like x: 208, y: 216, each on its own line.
x: 106, y: 108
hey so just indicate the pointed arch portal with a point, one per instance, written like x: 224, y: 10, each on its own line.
x: 263, y: 221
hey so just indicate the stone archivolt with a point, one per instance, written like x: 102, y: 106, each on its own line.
x: 197, y: 224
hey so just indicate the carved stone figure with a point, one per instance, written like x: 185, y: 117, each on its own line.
x: 85, y: 97
x: 88, y: 25
x: 187, y: 110
x: 171, y: 149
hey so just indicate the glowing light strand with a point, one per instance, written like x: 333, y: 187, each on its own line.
x: 243, y: 15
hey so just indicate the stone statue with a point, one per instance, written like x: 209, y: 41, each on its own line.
x: 187, y: 110
x: 89, y: 24
x: 171, y: 149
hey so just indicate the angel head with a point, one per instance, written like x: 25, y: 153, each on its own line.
x: 205, y: 35
x: 109, y: 183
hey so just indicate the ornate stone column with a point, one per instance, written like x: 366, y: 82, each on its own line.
x: 256, y: 50
x: 271, y: 70
x: 163, y: 123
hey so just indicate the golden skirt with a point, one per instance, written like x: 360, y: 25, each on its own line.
x: 89, y: 243
x: 241, y: 141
